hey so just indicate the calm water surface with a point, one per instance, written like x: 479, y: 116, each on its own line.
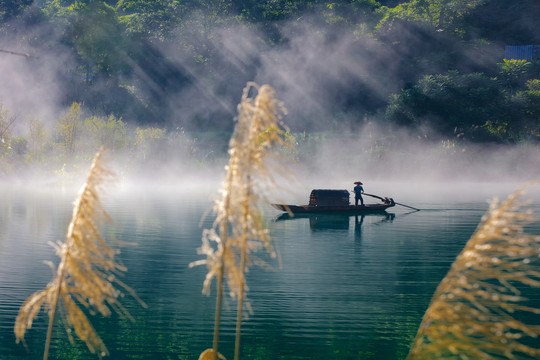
x: 347, y: 287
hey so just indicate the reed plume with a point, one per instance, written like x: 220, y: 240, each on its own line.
x: 239, y: 230
x: 87, y: 272
x: 478, y: 310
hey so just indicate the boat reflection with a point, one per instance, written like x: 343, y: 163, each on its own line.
x: 336, y: 221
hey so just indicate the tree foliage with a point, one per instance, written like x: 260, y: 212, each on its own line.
x: 108, y: 132
x: 98, y: 38
x: 440, y: 14
x: 149, y: 142
x: 6, y: 122
x: 473, y: 105
x: 134, y: 58
x: 68, y: 129
x: 151, y: 18
x: 37, y: 139
x: 12, y: 8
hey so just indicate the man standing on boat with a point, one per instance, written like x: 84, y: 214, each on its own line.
x: 358, y: 191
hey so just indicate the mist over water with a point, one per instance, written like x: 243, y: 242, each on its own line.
x: 408, y: 172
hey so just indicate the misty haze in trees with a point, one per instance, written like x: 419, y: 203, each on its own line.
x: 434, y: 67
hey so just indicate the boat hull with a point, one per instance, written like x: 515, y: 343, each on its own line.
x: 309, y: 209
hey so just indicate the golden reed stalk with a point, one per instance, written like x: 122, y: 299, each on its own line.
x: 239, y: 229
x: 471, y: 315
x: 86, y: 274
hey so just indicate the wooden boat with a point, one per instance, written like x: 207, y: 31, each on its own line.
x: 334, y: 201
x: 299, y: 209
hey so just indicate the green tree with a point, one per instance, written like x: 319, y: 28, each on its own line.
x: 68, y: 129
x: 97, y: 35
x: 439, y: 14
x: 451, y: 104
x: 479, y: 107
x: 514, y: 73
x: 12, y: 8
x: 507, y: 22
x: 109, y: 132
x: 151, y: 18
x: 6, y: 122
x: 37, y: 139
x: 19, y: 146
x: 532, y: 99
x: 352, y: 12
x: 149, y: 142
x: 525, y: 107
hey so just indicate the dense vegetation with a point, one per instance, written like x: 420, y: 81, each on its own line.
x: 434, y: 66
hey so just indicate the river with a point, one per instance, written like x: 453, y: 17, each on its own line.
x: 344, y: 287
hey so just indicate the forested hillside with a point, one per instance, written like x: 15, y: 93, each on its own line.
x: 436, y: 67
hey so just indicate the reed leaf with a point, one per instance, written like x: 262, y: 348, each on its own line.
x: 239, y: 231
x: 87, y: 273
x: 478, y: 310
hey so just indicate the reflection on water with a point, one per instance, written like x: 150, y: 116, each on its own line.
x: 347, y: 287
x: 321, y: 221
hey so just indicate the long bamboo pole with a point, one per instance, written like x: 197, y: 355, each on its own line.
x: 381, y: 198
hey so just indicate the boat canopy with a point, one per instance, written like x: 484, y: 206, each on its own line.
x: 323, y: 197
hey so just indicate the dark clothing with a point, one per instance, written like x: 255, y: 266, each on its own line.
x: 358, y: 190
